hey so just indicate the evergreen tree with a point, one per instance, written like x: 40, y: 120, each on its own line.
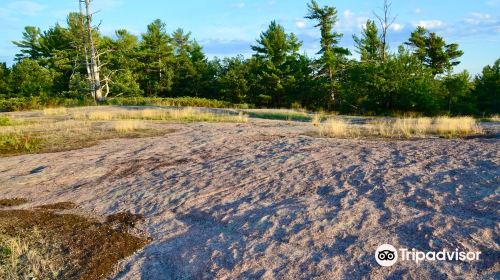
x: 275, y: 52
x: 333, y: 57
x: 369, y: 45
x: 456, y: 93
x: 28, y: 79
x: 123, y: 66
x: 184, y: 70
x: 232, y: 82
x: 487, y: 89
x: 155, y: 56
x: 4, y: 78
x: 433, y: 51
x: 30, y: 44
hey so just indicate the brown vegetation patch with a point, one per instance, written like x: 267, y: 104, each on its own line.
x: 11, y: 202
x: 123, y: 220
x: 73, y: 247
x: 58, y: 206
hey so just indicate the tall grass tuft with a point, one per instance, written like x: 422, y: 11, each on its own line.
x: 186, y: 115
x: 29, y: 257
x: 337, y: 128
x: 317, y: 119
x: 456, y: 126
x: 128, y: 125
x: 404, y: 128
x: 61, y: 111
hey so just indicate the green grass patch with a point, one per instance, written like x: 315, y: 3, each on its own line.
x: 5, y: 121
x: 281, y: 115
x: 15, y: 143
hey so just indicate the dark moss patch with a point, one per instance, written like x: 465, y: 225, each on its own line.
x: 58, y: 206
x: 123, y: 220
x: 11, y: 202
x: 90, y: 249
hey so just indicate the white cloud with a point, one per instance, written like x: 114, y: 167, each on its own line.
x: 348, y: 14
x: 397, y: 27
x: 430, y: 24
x: 351, y: 22
x: 478, y: 18
x: 300, y: 24
x: 418, y: 11
x: 272, y: 2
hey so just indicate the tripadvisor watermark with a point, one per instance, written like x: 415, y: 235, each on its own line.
x: 387, y: 255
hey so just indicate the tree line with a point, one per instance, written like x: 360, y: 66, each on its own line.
x: 418, y: 77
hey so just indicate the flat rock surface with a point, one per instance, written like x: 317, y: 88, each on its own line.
x: 264, y: 200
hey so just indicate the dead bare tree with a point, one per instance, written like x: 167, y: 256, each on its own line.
x: 386, y: 21
x: 92, y: 57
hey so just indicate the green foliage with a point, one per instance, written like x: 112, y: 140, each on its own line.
x: 5, y: 121
x: 38, y: 103
x: 487, y: 87
x: 18, y: 143
x: 155, y: 57
x: 369, y: 45
x: 281, y: 115
x: 276, y: 54
x: 232, y: 82
x: 167, y: 68
x: 333, y: 57
x: 4, y: 80
x: 401, y: 83
x: 177, y: 102
x: 457, y: 95
x: 28, y: 78
x: 433, y: 51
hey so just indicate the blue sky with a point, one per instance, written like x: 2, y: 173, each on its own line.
x: 228, y: 27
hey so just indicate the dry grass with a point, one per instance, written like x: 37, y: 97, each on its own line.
x: 184, y: 115
x: 317, y: 119
x: 128, y: 125
x: 61, y: 111
x: 404, y: 128
x: 337, y: 128
x: 30, y: 257
x: 64, y: 135
x: 456, y: 126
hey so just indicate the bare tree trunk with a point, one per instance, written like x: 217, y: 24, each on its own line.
x: 332, y: 88
x: 92, y: 65
x: 84, y: 48
x: 386, y: 21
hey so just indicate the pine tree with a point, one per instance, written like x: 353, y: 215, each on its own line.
x: 369, y: 45
x: 433, y: 51
x: 333, y: 57
x: 274, y: 52
x: 487, y: 89
x: 30, y: 44
x: 156, y: 56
